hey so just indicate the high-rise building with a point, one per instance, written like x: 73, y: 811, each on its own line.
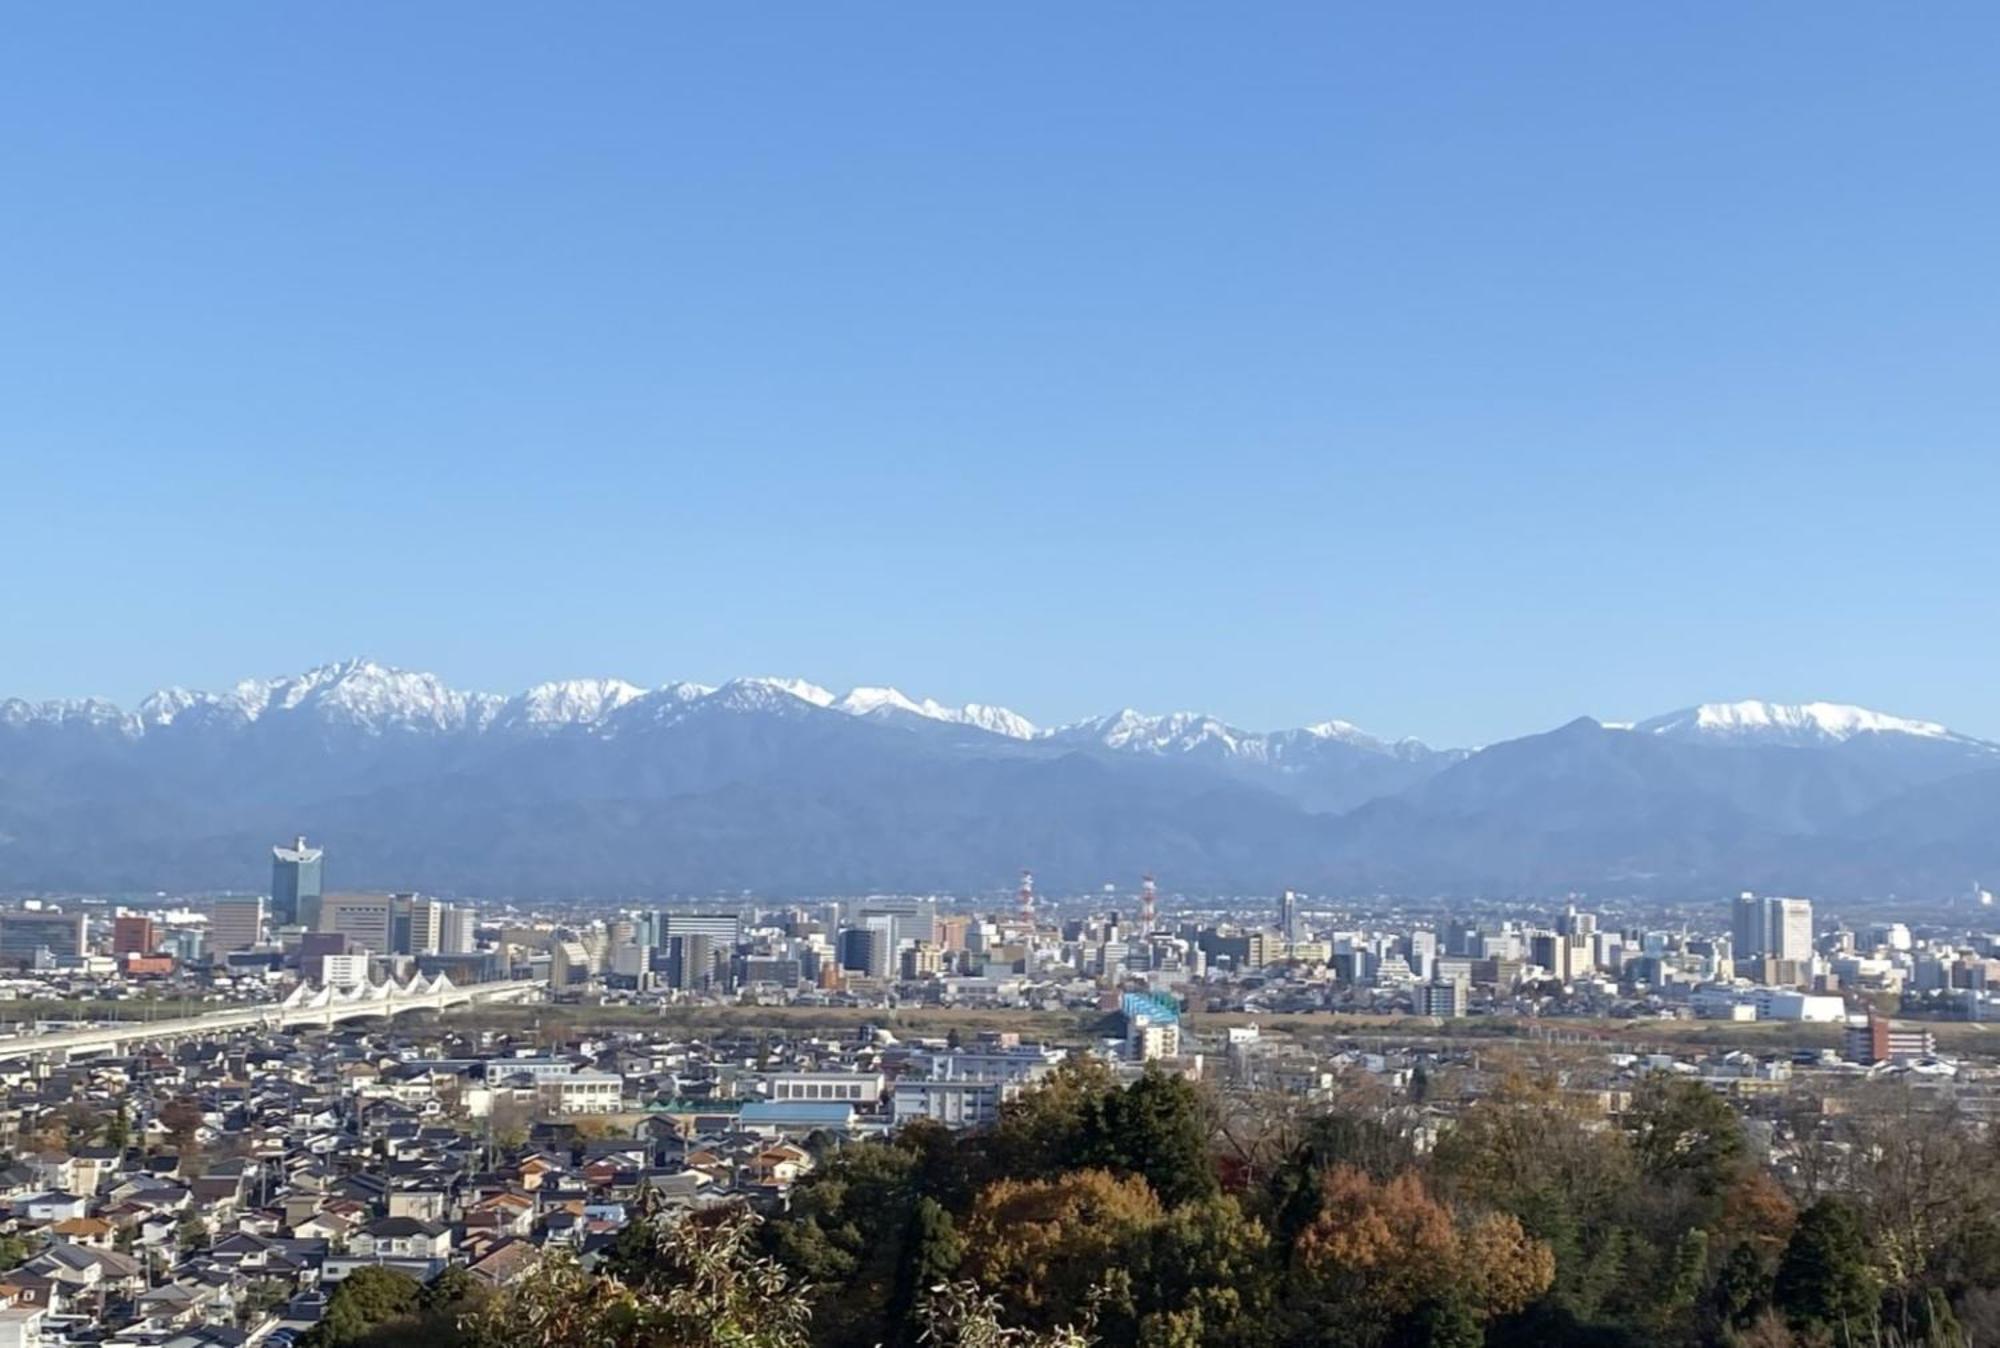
x: 1573, y: 923
x: 724, y: 929
x: 418, y: 925
x: 909, y: 919
x: 868, y: 951
x: 366, y: 920
x: 1791, y: 929
x: 569, y: 963
x: 295, y: 884
x: 691, y: 961
x: 235, y: 924
x: 133, y: 935
x: 1764, y: 929
x: 24, y: 935
x: 1288, y: 915
x: 456, y: 934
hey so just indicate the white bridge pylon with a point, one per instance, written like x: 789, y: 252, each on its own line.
x: 305, y: 1005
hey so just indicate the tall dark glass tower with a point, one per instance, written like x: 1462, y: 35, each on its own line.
x: 295, y: 885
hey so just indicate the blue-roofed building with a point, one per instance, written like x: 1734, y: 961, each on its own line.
x: 794, y: 1116
x: 1152, y: 1026
x: 1159, y: 1009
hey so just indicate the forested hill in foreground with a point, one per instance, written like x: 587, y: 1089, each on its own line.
x: 600, y: 787
x: 1156, y: 1216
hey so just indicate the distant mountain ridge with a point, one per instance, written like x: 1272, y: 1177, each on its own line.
x: 603, y: 786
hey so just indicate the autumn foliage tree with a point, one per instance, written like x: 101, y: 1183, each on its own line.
x: 1382, y: 1250
x: 1048, y: 1244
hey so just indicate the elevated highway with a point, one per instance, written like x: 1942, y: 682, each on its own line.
x: 305, y: 1007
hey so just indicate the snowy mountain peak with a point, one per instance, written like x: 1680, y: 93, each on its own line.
x: 1786, y: 723
x: 869, y: 701
x: 890, y: 703
x: 371, y: 697
x: 1171, y: 732
x: 568, y: 702
x: 798, y: 688
x: 998, y: 720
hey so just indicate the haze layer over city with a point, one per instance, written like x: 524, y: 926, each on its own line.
x: 938, y: 677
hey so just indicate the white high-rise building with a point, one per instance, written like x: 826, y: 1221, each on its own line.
x: 426, y: 926
x: 455, y: 938
x: 1768, y: 928
x: 1791, y: 929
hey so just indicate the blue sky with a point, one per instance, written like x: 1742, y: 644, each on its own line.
x: 1453, y: 369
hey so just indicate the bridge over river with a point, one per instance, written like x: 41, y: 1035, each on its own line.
x: 306, y: 1006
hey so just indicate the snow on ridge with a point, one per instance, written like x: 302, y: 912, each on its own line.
x: 998, y: 720
x: 878, y: 702
x: 1198, y: 732
x: 798, y: 688
x: 1795, y: 723
x: 566, y: 702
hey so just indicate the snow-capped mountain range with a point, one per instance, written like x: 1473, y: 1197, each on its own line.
x: 378, y: 699
x: 603, y: 785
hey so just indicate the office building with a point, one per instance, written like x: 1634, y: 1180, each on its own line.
x: 295, y: 884
x: 1748, y: 934
x: 1791, y: 930
x: 25, y: 936
x: 691, y: 961
x: 1574, y: 923
x: 786, y: 973
x: 366, y: 920
x: 630, y: 960
x: 341, y: 971
x: 1550, y: 952
x: 569, y: 964
x: 908, y: 919
x: 315, y: 945
x: 419, y: 925
x: 455, y: 934
x: 132, y: 935
x: 922, y: 961
x: 868, y: 951
x: 1445, y: 998
x: 1875, y: 1040
x: 723, y: 930
x: 235, y: 924
x: 1762, y: 930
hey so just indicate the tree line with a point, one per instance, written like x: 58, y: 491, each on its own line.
x: 1160, y: 1215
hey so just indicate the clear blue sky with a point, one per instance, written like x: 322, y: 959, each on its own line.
x: 1454, y: 368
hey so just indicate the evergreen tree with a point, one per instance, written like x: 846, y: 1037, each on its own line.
x: 1824, y: 1281
x: 1158, y: 1129
x: 931, y: 1256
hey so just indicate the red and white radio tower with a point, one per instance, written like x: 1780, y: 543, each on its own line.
x: 1026, y: 898
x: 1149, y: 901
